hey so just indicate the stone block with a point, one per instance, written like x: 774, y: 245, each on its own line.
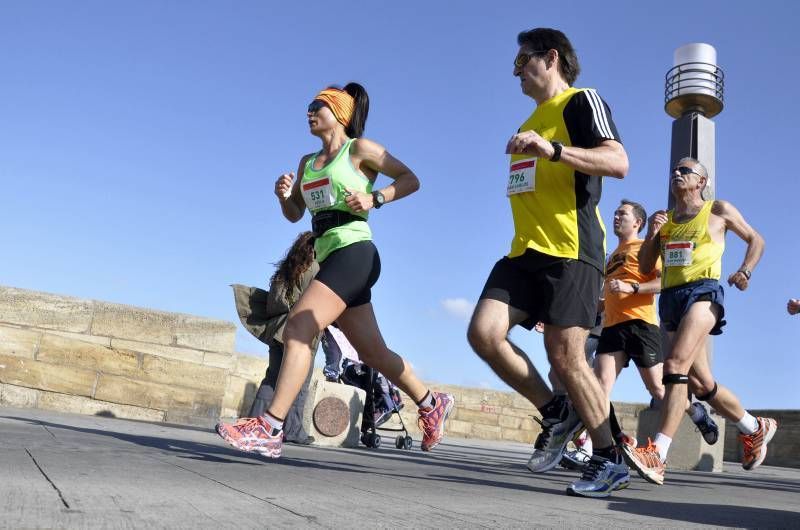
x: 205, y: 334
x: 319, y: 389
x: 88, y: 406
x: 118, y: 389
x: 168, y: 352
x: 19, y: 342
x: 65, y: 351
x: 44, y: 310
x: 519, y: 413
x: 239, y: 396
x: 45, y: 376
x: 251, y: 367
x: 18, y: 396
x: 510, y: 422
x: 133, y: 323
x: 688, y: 450
x: 83, y: 337
x: 226, y: 361
x: 463, y: 428
x: 183, y: 374
x: 516, y: 435
x: 476, y: 417
x: 486, y: 432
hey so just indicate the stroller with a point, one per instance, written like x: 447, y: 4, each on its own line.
x: 382, y: 402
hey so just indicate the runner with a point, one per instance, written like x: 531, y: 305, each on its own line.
x: 336, y: 186
x: 554, y: 270
x: 690, y: 239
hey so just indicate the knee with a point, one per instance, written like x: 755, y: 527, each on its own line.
x: 298, y: 329
x: 484, y: 340
x: 675, y: 366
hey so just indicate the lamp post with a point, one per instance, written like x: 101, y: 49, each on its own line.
x: 693, y: 95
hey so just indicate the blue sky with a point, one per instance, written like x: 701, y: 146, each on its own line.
x: 140, y: 143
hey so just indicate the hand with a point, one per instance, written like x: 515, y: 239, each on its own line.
x: 357, y: 201
x: 283, y: 186
x: 793, y: 306
x: 539, y: 327
x: 618, y: 286
x: 655, y: 222
x: 739, y: 280
x: 530, y: 143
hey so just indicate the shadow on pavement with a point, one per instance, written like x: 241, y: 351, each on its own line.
x: 708, y: 514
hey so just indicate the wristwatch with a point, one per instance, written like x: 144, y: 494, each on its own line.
x: 557, y: 146
x: 635, y: 286
x: 746, y: 272
x: 378, y: 199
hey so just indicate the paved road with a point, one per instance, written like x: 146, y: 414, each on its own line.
x: 72, y: 471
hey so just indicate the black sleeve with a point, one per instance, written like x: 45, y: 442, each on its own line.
x: 588, y: 120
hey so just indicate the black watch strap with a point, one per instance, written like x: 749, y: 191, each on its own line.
x: 377, y: 199
x: 557, y: 146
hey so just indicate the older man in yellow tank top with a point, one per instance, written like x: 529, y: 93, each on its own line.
x: 690, y: 240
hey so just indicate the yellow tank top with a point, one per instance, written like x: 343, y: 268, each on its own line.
x: 688, y: 253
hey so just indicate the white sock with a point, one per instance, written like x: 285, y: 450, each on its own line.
x: 428, y: 401
x: 275, y: 423
x: 696, y: 412
x: 587, y: 445
x: 662, y: 443
x: 748, y: 424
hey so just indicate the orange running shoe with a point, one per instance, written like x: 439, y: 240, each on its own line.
x: 252, y: 435
x: 645, y: 461
x: 431, y: 420
x: 755, y: 445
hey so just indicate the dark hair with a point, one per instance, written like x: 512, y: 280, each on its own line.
x: 552, y: 39
x: 297, y: 261
x: 638, y: 211
x: 360, y: 112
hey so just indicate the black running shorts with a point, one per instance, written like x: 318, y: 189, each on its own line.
x: 350, y: 272
x: 558, y: 291
x: 639, y: 340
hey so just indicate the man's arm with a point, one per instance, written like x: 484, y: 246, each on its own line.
x: 608, y: 159
x: 734, y: 221
x: 651, y: 248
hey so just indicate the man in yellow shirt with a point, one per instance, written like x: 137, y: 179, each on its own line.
x: 690, y: 240
x: 554, y: 270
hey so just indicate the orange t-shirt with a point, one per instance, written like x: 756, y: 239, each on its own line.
x: 623, y: 264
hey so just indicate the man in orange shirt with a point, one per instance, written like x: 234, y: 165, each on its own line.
x: 630, y: 331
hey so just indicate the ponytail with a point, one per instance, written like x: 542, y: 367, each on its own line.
x: 359, y: 119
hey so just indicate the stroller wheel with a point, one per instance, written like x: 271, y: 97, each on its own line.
x: 376, y: 440
x: 407, y: 442
x: 400, y: 442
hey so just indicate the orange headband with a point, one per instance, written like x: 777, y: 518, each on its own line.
x: 340, y: 102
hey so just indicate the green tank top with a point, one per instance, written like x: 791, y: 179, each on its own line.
x: 324, y: 189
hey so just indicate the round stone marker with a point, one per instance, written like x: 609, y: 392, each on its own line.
x: 331, y: 416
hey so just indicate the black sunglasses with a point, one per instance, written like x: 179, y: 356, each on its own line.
x: 315, y: 105
x: 523, y: 57
x: 683, y: 170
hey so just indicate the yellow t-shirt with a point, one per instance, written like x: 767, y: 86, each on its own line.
x: 554, y: 206
x: 623, y: 265
x: 688, y: 253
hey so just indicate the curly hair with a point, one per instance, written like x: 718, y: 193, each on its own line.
x: 297, y: 261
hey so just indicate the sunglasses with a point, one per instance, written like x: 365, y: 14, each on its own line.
x: 523, y: 57
x: 683, y: 170
x: 315, y: 105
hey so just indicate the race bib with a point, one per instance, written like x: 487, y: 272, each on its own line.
x: 318, y: 193
x: 678, y: 253
x: 522, y: 177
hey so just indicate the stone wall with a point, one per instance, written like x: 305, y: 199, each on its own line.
x: 86, y: 356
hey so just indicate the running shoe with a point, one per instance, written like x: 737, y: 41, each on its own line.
x: 755, y: 445
x: 575, y: 460
x: 645, y: 461
x: 600, y: 478
x: 551, y: 442
x: 706, y: 425
x: 252, y: 435
x: 431, y: 420
x: 624, y: 439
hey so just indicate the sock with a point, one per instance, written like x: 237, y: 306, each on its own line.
x: 748, y: 424
x: 662, y: 443
x: 587, y: 445
x: 274, y: 422
x: 555, y: 408
x: 609, y: 453
x: 427, y: 402
x: 697, y: 412
x: 616, y: 430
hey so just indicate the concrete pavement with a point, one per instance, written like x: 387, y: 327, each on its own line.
x: 70, y: 471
